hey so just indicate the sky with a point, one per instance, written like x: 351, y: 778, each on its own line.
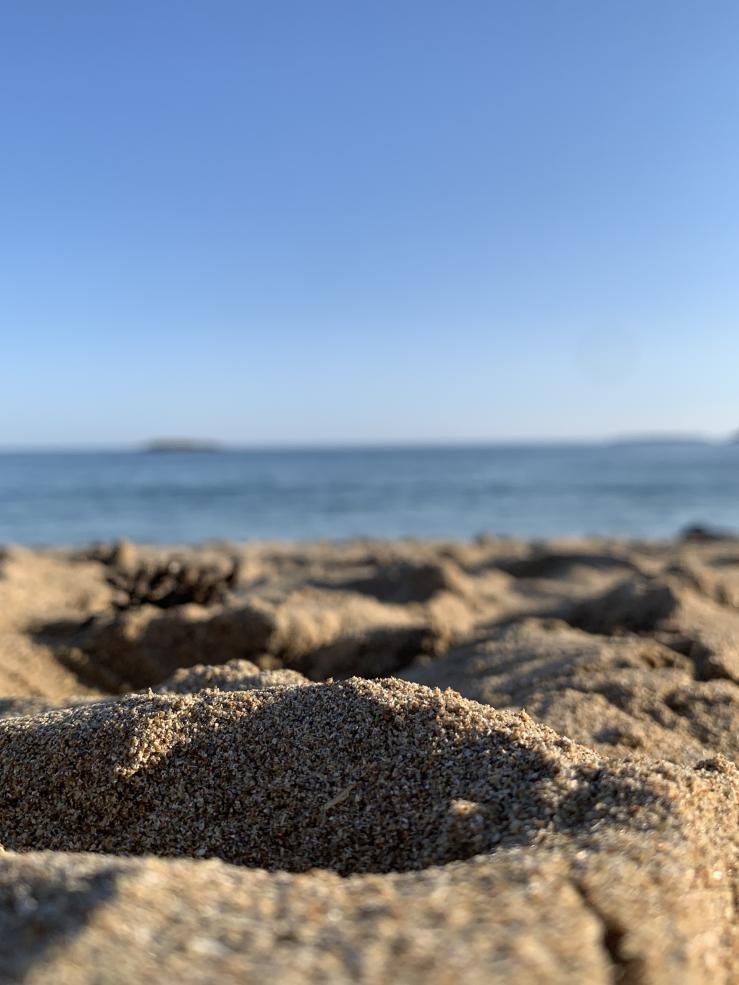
x: 281, y: 222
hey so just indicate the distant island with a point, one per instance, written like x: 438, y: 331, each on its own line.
x: 659, y: 439
x: 179, y: 446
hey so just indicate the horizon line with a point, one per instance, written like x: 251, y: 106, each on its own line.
x: 208, y: 445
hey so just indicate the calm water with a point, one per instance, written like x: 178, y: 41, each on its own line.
x: 75, y: 498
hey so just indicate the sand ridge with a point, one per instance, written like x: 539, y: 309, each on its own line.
x: 355, y: 776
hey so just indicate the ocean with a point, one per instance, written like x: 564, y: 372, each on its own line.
x: 633, y: 490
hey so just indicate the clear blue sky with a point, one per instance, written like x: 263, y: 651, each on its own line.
x: 323, y: 221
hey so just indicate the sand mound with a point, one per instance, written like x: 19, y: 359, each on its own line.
x: 17, y: 707
x: 33, y: 671
x: 356, y: 776
x: 634, y: 902
x: 622, y: 695
x: 679, y: 608
x: 237, y: 675
x: 402, y: 582
x: 544, y: 563
x: 32, y: 584
x: 636, y: 605
x: 142, y: 646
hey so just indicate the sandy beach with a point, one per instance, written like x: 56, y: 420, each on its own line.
x: 492, y: 761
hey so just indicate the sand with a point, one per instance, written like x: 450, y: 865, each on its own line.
x: 409, y: 761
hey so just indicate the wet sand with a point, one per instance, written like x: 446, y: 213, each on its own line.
x: 372, y: 761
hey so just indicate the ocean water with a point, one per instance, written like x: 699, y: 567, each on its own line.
x: 530, y: 491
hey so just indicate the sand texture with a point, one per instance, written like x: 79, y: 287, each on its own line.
x: 446, y: 763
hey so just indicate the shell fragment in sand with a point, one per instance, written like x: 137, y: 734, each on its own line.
x: 340, y: 797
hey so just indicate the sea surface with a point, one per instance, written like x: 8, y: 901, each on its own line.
x: 635, y: 490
